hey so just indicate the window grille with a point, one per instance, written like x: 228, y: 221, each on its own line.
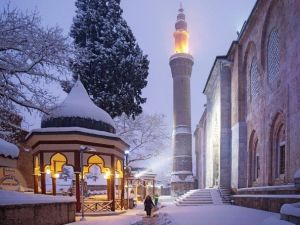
x: 254, y: 79
x: 273, y: 56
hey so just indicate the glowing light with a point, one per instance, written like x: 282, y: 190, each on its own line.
x: 56, y: 175
x: 181, y: 41
x: 107, y: 174
x: 48, y: 171
x: 117, y: 175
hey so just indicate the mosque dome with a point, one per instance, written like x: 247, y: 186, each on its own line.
x: 78, y: 110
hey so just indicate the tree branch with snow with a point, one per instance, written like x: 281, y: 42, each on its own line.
x: 31, y: 57
x: 147, y: 135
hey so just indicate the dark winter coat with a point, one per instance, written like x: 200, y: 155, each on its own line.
x: 148, y: 204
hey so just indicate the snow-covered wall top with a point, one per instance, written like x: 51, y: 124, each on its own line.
x: 19, y: 198
x: 79, y: 104
x: 297, y: 174
x: 72, y: 129
x: 8, y: 149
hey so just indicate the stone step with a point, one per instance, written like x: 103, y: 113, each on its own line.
x: 187, y: 204
x: 195, y: 200
x: 195, y: 196
x: 203, y: 197
x: 195, y: 203
x: 206, y: 194
x: 208, y: 197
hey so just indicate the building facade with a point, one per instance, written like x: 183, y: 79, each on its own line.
x: 181, y: 64
x: 249, y: 134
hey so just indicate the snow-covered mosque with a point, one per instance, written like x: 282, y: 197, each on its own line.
x: 247, y: 139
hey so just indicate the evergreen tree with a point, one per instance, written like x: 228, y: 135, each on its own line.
x: 108, y: 59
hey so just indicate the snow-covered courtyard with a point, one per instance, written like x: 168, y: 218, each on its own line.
x: 170, y: 214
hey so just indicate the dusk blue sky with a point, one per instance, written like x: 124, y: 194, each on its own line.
x: 213, y: 25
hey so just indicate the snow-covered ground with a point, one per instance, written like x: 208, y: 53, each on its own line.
x: 128, y: 218
x: 217, y: 215
x: 192, y: 215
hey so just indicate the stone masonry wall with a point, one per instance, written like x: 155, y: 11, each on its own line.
x: 38, y: 214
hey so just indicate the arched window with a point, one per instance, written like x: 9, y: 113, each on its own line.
x: 278, y: 150
x: 57, y: 162
x: 273, y: 56
x: 254, y: 79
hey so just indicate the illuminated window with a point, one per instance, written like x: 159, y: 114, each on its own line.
x: 273, y: 56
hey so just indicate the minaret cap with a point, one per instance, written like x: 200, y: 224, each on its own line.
x: 181, y: 23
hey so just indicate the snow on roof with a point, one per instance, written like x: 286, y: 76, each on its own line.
x: 291, y: 209
x: 79, y: 104
x: 266, y: 196
x: 275, y: 187
x: 181, y: 55
x: 297, y: 174
x: 72, y: 129
x: 19, y: 198
x: 8, y: 149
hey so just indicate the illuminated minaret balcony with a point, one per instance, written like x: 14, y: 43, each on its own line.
x: 181, y: 35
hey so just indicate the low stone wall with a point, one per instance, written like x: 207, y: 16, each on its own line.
x: 38, y: 214
x: 270, y: 190
x: 271, y: 203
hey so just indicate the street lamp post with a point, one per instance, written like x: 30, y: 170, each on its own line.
x: 126, y: 174
x: 82, y: 149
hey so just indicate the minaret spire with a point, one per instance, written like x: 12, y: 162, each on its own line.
x: 181, y: 34
x: 180, y: 7
x: 181, y: 64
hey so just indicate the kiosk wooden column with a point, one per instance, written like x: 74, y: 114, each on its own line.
x: 112, y: 184
x: 53, y: 186
x: 36, y: 184
x: 43, y: 175
x: 77, y: 180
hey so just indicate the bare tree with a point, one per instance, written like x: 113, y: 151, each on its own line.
x: 31, y: 56
x: 147, y: 135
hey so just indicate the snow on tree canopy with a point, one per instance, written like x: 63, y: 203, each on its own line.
x: 78, y: 110
x: 8, y: 149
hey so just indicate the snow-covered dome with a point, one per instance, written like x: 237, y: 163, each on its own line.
x: 78, y: 110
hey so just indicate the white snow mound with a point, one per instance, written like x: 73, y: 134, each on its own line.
x: 291, y: 209
x: 297, y: 174
x: 79, y: 104
x: 276, y: 221
x: 8, y: 149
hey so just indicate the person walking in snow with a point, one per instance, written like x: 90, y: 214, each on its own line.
x: 148, y: 203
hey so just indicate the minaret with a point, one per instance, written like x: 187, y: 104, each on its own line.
x: 181, y: 64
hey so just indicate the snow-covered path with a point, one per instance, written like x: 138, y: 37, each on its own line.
x: 128, y: 218
x: 216, y: 215
x: 189, y: 215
